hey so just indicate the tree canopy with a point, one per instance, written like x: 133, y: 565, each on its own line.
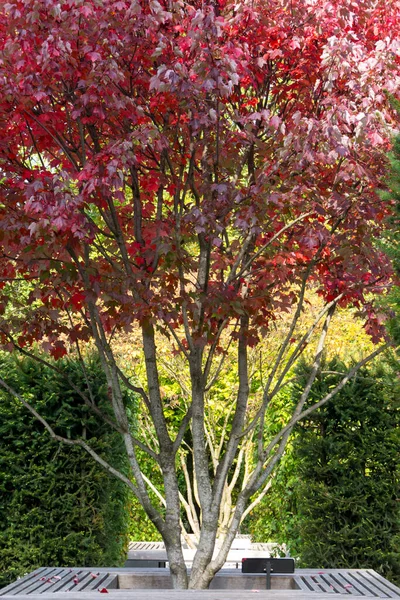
x: 191, y: 169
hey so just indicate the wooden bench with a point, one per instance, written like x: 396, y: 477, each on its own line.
x: 187, y: 595
x: 358, y: 582
x: 309, y: 582
x: 141, y: 553
x: 52, y: 579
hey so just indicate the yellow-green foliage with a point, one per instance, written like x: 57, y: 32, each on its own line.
x: 346, y: 339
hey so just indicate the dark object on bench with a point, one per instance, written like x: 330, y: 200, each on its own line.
x: 139, y: 563
x: 268, y: 566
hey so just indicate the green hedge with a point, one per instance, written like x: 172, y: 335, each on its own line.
x: 57, y: 506
x: 335, y: 501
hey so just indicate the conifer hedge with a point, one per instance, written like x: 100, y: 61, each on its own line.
x: 335, y: 500
x: 58, y: 507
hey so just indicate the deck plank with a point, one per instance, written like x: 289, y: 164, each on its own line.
x: 58, y: 581
x: 66, y: 580
x: 12, y: 588
x: 299, y: 581
x: 85, y: 581
x: 138, y: 594
x: 360, y: 583
x: 39, y: 583
x: 374, y: 579
x: 312, y: 582
x: 343, y: 585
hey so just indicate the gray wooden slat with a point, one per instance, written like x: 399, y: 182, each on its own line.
x: 93, y: 583
x: 110, y: 583
x: 360, y: 583
x: 365, y: 587
x: 388, y: 584
x: 27, y: 583
x: 299, y: 580
x: 66, y: 578
x: 323, y: 585
x: 192, y: 595
x: 309, y: 581
x: 85, y: 580
x: 329, y: 585
x: 40, y: 582
x: 148, y: 546
x: 343, y: 585
x: 88, y: 583
x: 13, y: 587
x: 373, y: 578
x: 59, y: 581
x: 315, y: 584
x: 68, y: 584
x: 363, y: 582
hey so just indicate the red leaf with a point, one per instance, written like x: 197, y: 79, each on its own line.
x: 93, y: 56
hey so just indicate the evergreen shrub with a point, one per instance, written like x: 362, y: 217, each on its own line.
x: 335, y: 500
x: 57, y: 506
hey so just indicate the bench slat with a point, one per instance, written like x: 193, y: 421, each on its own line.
x: 343, y: 585
x: 12, y: 588
x: 69, y: 584
x: 67, y: 576
x: 323, y: 585
x: 54, y: 585
x: 367, y: 588
x: 89, y: 583
x: 377, y: 581
x: 111, y: 583
x: 331, y: 581
x: 299, y: 580
x: 314, y: 585
x: 39, y: 584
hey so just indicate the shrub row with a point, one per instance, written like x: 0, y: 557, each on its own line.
x: 335, y: 499
x: 58, y: 506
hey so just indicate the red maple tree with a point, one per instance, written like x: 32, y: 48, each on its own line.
x: 192, y: 168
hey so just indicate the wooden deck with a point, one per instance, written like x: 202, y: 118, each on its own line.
x: 50, y: 580
x: 310, y: 583
x: 187, y: 595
